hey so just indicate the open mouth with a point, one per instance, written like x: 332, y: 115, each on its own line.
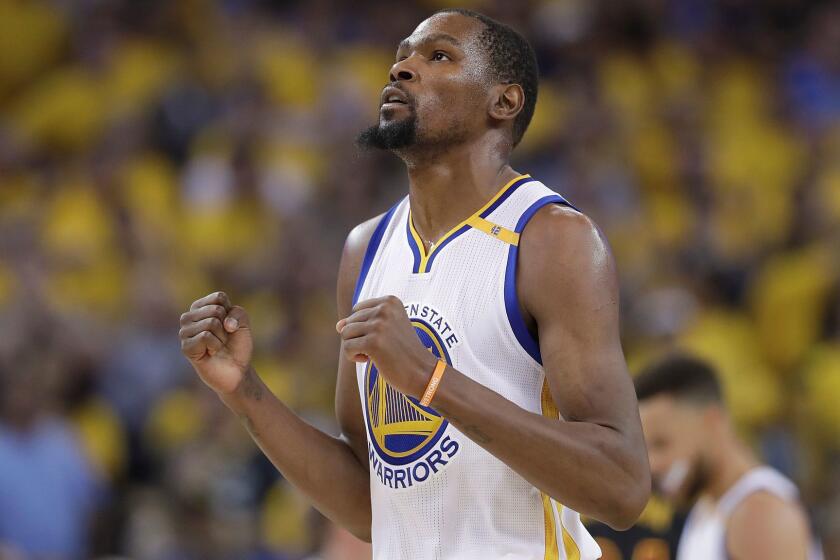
x: 393, y: 104
x: 393, y: 97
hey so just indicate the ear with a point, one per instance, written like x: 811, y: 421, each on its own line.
x: 506, y: 101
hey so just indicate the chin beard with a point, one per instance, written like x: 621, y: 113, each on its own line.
x: 393, y: 135
x: 698, y: 481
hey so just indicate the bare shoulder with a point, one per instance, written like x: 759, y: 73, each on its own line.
x: 359, y: 237
x: 562, y: 231
x: 352, y: 256
x: 565, y: 247
x: 766, y: 526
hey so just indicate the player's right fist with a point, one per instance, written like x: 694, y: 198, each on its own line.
x: 216, y: 339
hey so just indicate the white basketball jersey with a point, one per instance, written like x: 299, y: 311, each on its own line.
x: 704, y: 534
x: 435, y: 494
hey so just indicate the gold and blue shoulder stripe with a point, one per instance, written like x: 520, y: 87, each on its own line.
x: 423, y: 261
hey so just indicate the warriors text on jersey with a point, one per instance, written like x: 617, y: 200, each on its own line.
x: 435, y: 494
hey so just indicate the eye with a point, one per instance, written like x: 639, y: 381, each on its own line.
x: 439, y: 56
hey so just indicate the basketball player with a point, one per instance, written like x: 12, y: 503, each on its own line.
x: 742, y: 510
x: 482, y: 391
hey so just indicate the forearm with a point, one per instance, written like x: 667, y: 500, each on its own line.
x: 321, y: 466
x: 585, y: 466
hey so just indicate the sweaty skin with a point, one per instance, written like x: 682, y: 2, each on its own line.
x: 594, y: 460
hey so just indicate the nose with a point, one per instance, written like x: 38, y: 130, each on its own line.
x: 402, y: 72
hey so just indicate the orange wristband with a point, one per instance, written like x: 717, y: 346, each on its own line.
x: 431, y: 388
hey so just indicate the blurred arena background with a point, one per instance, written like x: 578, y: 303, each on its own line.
x: 151, y: 152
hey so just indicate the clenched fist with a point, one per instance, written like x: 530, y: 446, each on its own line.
x: 379, y: 330
x: 216, y: 339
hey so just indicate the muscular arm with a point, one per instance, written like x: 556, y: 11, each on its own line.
x: 332, y: 472
x: 323, y: 467
x: 764, y: 527
x: 594, y: 460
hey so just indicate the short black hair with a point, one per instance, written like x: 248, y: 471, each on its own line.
x: 681, y: 376
x: 512, y: 61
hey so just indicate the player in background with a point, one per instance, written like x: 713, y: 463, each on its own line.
x: 740, y: 508
x: 534, y: 419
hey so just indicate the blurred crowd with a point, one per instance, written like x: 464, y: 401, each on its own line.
x: 152, y: 152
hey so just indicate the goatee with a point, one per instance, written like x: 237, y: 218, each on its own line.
x: 392, y: 135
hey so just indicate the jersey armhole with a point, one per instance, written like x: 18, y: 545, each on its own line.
x: 514, y: 314
x: 370, y: 252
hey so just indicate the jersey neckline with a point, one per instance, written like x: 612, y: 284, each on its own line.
x: 423, y: 259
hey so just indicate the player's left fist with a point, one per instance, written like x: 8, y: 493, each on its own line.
x: 379, y: 330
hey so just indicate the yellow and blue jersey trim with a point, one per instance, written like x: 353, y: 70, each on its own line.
x: 517, y: 322
x: 552, y: 543
x: 423, y: 261
x: 370, y: 252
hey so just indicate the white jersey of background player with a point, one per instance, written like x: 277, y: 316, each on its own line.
x: 741, y: 510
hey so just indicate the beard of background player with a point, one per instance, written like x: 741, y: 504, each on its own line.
x: 694, y: 483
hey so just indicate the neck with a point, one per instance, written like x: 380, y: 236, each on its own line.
x: 732, y: 461
x: 448, y: 188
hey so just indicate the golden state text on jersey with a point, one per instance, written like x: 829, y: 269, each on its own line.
x: 409, y: 443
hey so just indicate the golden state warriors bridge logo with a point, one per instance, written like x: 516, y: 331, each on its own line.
x: 407, y: 441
